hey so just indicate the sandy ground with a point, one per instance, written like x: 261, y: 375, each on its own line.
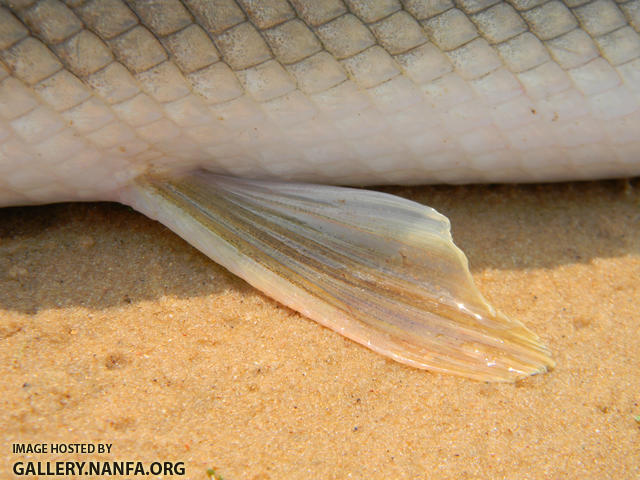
x: 114, y: 330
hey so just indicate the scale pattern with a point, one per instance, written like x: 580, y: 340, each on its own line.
x: 94, y: 92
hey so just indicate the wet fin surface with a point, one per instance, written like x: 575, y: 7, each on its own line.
x: 377, y: 268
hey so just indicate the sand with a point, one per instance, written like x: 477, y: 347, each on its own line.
x: 114, y: 330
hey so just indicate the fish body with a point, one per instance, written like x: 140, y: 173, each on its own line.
x: 201, y: 114
x: 95, y: 93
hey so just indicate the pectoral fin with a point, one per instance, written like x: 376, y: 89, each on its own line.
x: 374, y: 267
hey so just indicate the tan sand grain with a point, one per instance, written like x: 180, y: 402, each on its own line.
x: 112, y: 329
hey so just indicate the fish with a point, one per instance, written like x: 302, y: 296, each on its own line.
x: 244, y: 126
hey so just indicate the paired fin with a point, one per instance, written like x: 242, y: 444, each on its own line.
x: 374, y: 267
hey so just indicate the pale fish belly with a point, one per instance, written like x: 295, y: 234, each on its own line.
x: 94, y: 93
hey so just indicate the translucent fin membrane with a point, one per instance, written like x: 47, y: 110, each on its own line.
x: 374, y: 267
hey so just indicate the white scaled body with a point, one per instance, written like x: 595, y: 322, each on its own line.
x: 94, y: 93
